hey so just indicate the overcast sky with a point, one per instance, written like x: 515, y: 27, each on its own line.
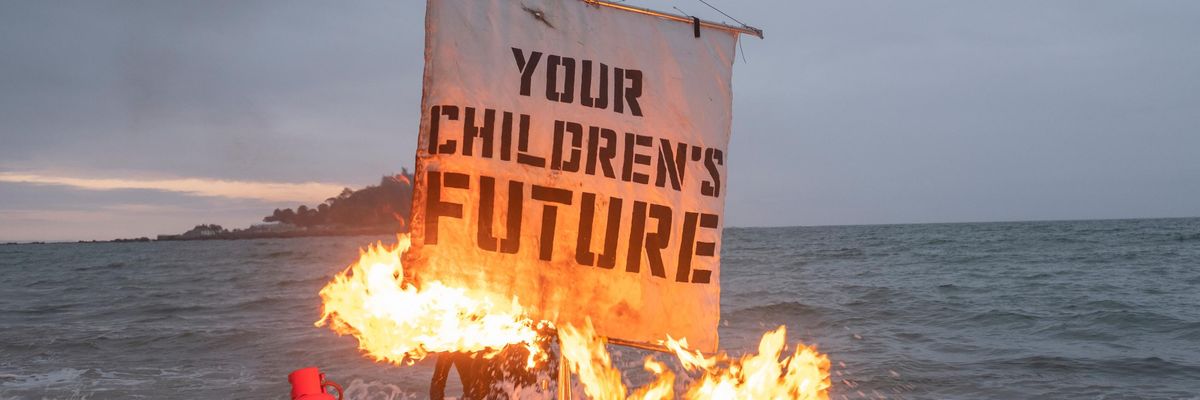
x: 133, y: 118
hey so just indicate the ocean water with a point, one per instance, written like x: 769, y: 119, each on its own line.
x: 1032, y: 310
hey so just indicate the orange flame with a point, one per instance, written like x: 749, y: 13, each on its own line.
x: 396, y: 321
x: 803, y: 375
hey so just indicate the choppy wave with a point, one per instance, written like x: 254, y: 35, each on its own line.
x: 1090, y: 309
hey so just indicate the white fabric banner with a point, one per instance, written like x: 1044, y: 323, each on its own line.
x: 573, y: 156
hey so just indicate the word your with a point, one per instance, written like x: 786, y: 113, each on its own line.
x: 593, y: 82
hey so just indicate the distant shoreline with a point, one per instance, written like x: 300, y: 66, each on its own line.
x: 309, y: 232
x: 232, y: 236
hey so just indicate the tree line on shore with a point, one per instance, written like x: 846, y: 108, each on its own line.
x: 385, y: 205
x: 377, y: 209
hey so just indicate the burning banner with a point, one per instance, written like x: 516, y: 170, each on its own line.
x: 569, y: 182
x: 574, y: 156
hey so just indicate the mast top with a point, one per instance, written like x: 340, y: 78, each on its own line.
x: 746, y: 29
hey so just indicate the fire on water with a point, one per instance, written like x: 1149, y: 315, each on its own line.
x: 400, y: 322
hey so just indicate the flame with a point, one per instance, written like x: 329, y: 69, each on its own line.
x: 400, y: 322
x: 803, y: 375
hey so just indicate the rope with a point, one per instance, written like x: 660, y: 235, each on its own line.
x: 723, y: 13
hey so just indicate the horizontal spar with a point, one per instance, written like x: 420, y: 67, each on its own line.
x: 749, y: 30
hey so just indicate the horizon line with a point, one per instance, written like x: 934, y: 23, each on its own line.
x: 78, y: 241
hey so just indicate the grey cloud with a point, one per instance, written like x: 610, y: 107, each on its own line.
x: 248, y: 90
x: 848, y: 112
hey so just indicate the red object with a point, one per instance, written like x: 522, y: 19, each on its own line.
x: 309, y: 384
